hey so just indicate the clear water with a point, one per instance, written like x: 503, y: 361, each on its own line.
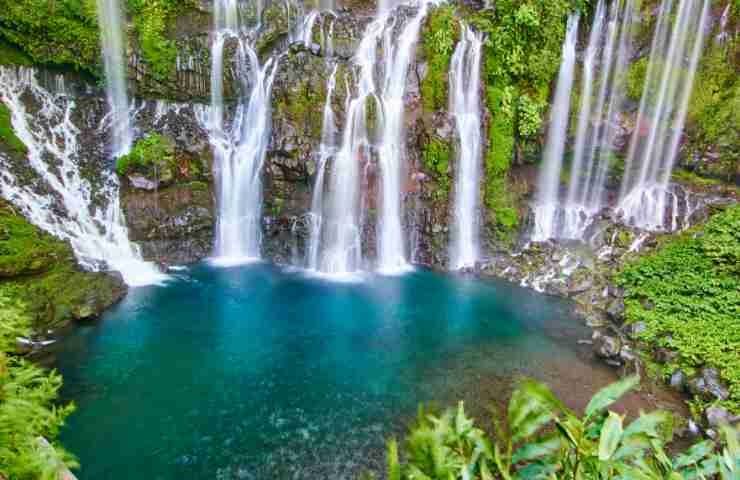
x: 254, y: 372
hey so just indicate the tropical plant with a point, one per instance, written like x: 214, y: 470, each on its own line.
x: 28, y: 416
x: 542, y: 439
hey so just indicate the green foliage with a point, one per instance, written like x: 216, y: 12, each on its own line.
x: 713, y: 120
x: 522, y: 55
x: 11, y: 55
x: 150, y: 156
x: 498, y: 159
x: 61, y: 32
x: 7, y: 135
x: 436, y: 157
x: 24, y: 250
x: 688, y: 296
x: 28, y: 413
x: 636, y: 75
x: 542, y: 439
x: 522, y: 50
x: 439, y: 42
x: 152, y: 19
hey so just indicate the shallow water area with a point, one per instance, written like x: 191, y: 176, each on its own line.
x: 255, y: 372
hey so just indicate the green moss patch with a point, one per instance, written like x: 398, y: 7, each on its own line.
x: 439, y: 42
x: 7, y: 135
x: 436, y: 157
x: 688, y: 296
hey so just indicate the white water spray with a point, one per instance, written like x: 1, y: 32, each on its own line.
x: 240, y: 148
x: 97, y: 234
x: 114, y: 62
x: 465, y: 107
x: 646, y: 197
x: 546, y: 207
x: 340, y: 250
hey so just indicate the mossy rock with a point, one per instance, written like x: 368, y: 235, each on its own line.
x: 41, y: 273
x: 26, y: 250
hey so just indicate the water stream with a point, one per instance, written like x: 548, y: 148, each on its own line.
x: 114, y: 63
x: 91, y: 218
x: 646, y: 198
x: 465, y: 107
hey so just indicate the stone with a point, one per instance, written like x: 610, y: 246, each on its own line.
x: 714, y: 384
x: 717, y: 416
x: 678, y: 380
x: 582, y: 286
x: 635, y: 329
x: 708, y: 386
x: 615, y: 310
x: 606, y: 346
x: 663, y: 355
x: 140, y: 182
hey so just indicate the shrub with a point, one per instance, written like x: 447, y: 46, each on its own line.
x: 539, y: 438
x: 151, y: 156
x: 688, y: 296
x: 27, y: 410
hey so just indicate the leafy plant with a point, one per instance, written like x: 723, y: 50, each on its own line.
x: 28, y: 414
x: 542, y: 439
x: 439, y: 42
x: 687, y: 295
x: 151, y: 156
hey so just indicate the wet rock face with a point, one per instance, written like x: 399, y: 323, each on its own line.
x: 173, y: 225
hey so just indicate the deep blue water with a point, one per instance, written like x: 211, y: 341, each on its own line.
x: 253, y: 372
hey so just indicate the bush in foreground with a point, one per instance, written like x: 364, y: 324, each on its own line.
x: 542, y: 439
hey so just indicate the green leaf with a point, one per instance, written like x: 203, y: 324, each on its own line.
x: 694, y: 455
x: 394, y: 467
x: 544, y: 446
x: 610, y: 394
x: 611, y: 434
x: 648, y: 424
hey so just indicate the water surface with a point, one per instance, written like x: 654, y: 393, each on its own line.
x: 254, y: 372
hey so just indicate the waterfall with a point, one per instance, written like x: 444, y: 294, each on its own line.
x: 465, y: 107
x: 546, y: 207
x: 241, y: 147
x: 397, y: 55
x: 645, y: 196
x: 326, y: 150
x: 340, y: 242
x: 93, y: 222
x: 114, y: 56
x: 594, y: 132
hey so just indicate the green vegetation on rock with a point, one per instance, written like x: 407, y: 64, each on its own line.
x: 687, y: 295
x: 58, y: 32
x: 522, y: 55
x: 153, y: 20
x: 152, y: 156
x: 498, y: 159
x: 436, y: 157
x: 7, y: 135
x: 713, y: 122
x: 40, y: 273
x: 539, y: 438
x: 439, y: 43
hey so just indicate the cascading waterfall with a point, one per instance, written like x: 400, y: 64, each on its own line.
x: 97, y: 234
x: 326, y: 150
x: 546, y: 207
x: 594, y: 133
x: 645, y: 196
x: 240, y: 148
x: 465, y: 107
x: 111, y: 36
x: 339, y: 251
x: 397, y: 56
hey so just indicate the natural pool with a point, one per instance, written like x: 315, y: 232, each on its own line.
x: 255, y: 372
